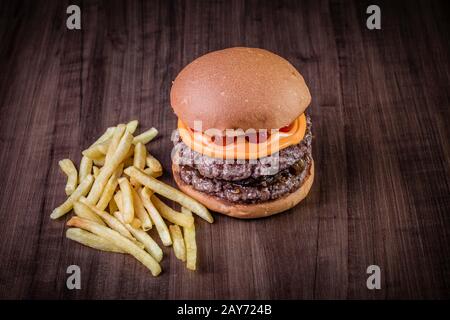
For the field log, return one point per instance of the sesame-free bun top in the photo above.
(239, 88)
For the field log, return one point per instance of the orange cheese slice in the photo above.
(241, 148)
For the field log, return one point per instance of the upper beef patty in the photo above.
(243, 181)
(234, 170)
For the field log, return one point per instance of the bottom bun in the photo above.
(247, 211)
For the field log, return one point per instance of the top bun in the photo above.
(239, 88)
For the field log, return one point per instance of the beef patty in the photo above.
(250, 190)
(244, 181)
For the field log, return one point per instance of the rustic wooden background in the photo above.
(381, 111)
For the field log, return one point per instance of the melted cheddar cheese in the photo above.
(241, 148)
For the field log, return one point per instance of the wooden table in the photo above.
(381, 111)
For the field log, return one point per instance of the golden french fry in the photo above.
(171, 215)
(191, 245)
(104, 137)
(128, 161)
(97, 151)
(149, 244)
(127, 200)
(140, 153)
(170, 193)
(69, 169)
(108, 169)
(132, 126)
(81, 190)
(110, 220)
(146, 136)
(154, 174)
(109, 189)
(107, 135)
(153, 164)
(148, 191)
(115, 140)
(118, 240)
(140, 211)
(178, 242)
(118, 200)
(136, 223)
(113, 206)
(95, 171)
(85, 168)
(91, 240)
(83, 211)
(99, 162)
(160, 225)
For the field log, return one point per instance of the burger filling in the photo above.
(247, 181)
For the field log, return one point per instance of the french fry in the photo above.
(118, 200)
(109, 189)
(112, 206)
(146, 136)
(148, 191)
(128, 162)
(104, 137)
(129, 157)
(95, 171)
(171, 215)
(83, 211)
(81, 190)
(91, 240)
(132, 126)
(118, 240)
(153, 164)
(85, 168)
(140, 153)
(178, 242)
(127, 200)
(69, 169)
(110, 220)
(160, 225)
(99, 162)
(191, 245)
(108, 169)
(115, 140)
(150, 172)
(149, 244)
(140, 211)
(136, 223)
(97, 151)
(170, 193)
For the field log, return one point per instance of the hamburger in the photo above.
(243, 144)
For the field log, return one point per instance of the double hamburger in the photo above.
(243, 144)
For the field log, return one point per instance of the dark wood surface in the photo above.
(381, 111)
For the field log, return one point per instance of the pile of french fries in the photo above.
(115, 198)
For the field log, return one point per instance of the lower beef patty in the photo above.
(251, 190)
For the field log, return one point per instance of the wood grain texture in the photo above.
(381, 107)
